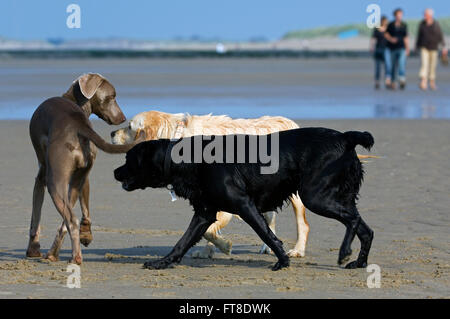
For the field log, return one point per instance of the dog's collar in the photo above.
(181, 124)
(167, 162)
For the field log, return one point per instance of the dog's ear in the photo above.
(145, 134)
(89, 83)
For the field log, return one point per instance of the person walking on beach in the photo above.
(429, 37)
(397, 51)
(377, 47)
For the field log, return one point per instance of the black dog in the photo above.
(321, 164)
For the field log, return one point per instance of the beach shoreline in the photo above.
(339, 88)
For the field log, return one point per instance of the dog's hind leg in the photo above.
(270, 218)
(302, 227)
(58, 187)
(251, 216)
(351, 222)
(85, 224)
(347, 214)
(365, 235)
(53, 253)
(34, 246)
(199, 224)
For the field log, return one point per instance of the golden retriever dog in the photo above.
(158, 125)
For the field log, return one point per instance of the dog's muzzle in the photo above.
(118, 174)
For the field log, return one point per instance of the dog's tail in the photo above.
(353, 138)
(90, 134)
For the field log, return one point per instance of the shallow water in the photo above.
(296, 88)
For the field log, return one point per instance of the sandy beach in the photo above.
(316, 63)
(404, 198)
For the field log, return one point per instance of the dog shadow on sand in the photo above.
(241, 256)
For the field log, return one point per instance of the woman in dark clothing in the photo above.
(377, 47)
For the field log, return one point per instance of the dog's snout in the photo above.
(117, 174)
(113, 133)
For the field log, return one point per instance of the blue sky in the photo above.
(166, 19)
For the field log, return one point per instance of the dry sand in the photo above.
(405, 198)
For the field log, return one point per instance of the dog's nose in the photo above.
(113, 133)
(118, 174)
(122, 117)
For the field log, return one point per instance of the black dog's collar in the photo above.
(167, 162)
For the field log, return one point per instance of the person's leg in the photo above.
(424, 68)
(377, 72)
(394, 71)
(402, 68)
(433, 64)
(388, 67)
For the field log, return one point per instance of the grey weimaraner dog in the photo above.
(63, 139)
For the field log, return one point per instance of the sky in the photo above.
(166, 19)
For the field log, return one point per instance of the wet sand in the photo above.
(295, 88)
(404, 198)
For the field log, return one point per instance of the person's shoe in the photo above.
(423, 85)
(377, 85)
(433, 86)
(393, 86)
(402, 85)
(388, 84)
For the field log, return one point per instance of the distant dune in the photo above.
(344, 40)
(362, 29)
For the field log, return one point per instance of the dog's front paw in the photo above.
(265, 250)
(158, 264)
(225, 247)
(51, 257)
(206, 253)
(85, 232)
(280, 265)
(344, 257)
(295, 253)
(34, 251)
(356, 264)
(85, 238)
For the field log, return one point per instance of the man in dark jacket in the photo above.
(429, 38)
